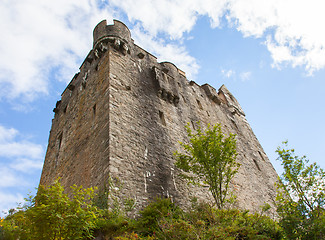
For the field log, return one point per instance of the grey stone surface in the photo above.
(123, 115)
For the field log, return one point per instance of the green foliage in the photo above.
(51, 214)
(157, 210)
(109, 197)
(212, 158)
(163, 220)
(176, 229)
(12, 226)
(112, 220)
(301, 196)
(211, 223)
(128, 236)
(101, 197)
(113, 223)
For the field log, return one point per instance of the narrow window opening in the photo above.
(235, 124)
(59, 141)
(97, 67)
(208, 113)
(193, 125)
(256, 164)
(65, 109)
(141, 55)
(58, 145)
(261, 155)
(83, 84)
(94, 110)
(183, 99)
(162, 118)
(71, 87)
(199, 104)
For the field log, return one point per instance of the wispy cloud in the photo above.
(173, 17)
(9, 178)
(19, 159)
(228, 73)
(232, 74)
(40, 37)
(291, 28)
(244, 76)
(9, 200)
(171, 52)
(12, 147)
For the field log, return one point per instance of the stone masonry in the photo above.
(123, 115)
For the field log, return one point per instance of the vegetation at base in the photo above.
(87, 213)
(53, 215)
(301, 196)
(210, 158)
(161, 219)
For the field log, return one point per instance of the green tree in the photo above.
(212, 158)
(301, 196)
(53, 215)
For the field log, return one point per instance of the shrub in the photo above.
(51, 214)
(301, 196)
(148, 223)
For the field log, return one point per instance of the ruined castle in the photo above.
(122, 116)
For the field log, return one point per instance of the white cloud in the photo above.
(228, 73)
(244, 76)
(292, 28)
(170, 52)
(18, 155)
(26, 165)
(39, 36)
(10, 147)
(9, 178)
(21, 149)
(20, 160)
(7, 134)
(173, 17)
(9, 200)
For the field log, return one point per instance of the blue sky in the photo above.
(269, 53)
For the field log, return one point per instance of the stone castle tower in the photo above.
(123, 115)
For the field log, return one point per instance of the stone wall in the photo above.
(123, 116)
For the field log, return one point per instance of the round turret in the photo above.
(118, 30)
(170, 68)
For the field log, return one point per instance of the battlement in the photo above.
(118, 36)
(118, 29)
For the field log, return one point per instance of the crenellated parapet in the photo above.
(169, 80)
(118, 35)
